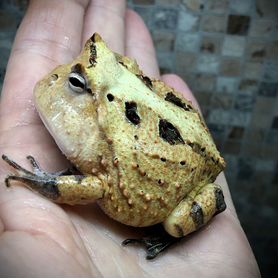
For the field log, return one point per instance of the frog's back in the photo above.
(159, 143)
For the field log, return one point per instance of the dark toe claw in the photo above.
(16, 166)
(153, 246)
(131, 240)
(33, 162)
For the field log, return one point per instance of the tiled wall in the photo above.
(227, 53)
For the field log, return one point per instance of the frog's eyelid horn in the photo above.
(77, 82)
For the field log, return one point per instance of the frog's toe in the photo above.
(154, 245)
(16, 166)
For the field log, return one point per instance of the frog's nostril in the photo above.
(110, 97)
(53, 79)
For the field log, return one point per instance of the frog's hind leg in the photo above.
(68, 189)
(204, 202)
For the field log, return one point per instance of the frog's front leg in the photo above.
(195, 210)
(69, 189)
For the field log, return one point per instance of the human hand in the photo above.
(40, 238)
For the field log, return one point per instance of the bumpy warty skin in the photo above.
(147, 143)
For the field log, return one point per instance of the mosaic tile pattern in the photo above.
(226, 51)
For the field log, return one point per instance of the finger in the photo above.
(139, 44)
(106, 17)
(48, 36)
(179, 85)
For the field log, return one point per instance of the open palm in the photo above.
(40, 238)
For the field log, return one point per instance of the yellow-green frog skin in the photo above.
(145, 154)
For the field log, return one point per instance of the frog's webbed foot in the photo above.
(154, 245)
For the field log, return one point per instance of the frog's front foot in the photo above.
(25, 175)
(61, 187)
(154, 245)
(38, 180)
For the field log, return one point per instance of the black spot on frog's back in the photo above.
(169, 133)
(177, 101)
(131, 112)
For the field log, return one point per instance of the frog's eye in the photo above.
(77, 82)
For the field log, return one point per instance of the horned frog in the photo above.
(143, 152)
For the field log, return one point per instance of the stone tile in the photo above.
(239, 118)
(219, 117)
(207, 63)
(226, 84)
(272, 50)
(264, 105)
(241, 7)
(256, 51)
(262, 120)
(232, 147)
(238, 24)
(272, 137)
(253, 70)
(8, 21)
(266, 9)
(270, 72)
(250, 149)
(221, 101)
(187, 41)
(254, 135)
(246, 168)
(188, 22)
(164, 41)
(245, 102)
(5, 53)
(275, 123)
(167, 2)
(266, 165)
(236, 133)
(232, 162)
(248, 86)
(185, 62)
(230, 67)
(262, 28)
(270, 152)
(144, 2)
(205, 82)
(217, 130)
(165, 18)
(211, 45)
(213, 23)
(268, 89)
(194, 5)
(6, 42)
(218, 6)
(233, 46)
(166, 61)
(203, 98)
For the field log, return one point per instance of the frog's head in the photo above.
(67, 100)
